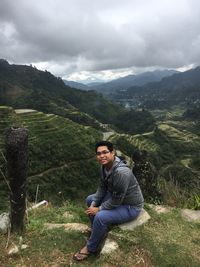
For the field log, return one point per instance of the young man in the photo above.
(118, 198)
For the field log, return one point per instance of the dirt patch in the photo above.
(67, 226)
(137, 257)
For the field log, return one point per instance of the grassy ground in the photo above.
(165, 240)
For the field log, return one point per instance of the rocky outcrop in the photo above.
(141, 219)
(160, 208)
(4, 222)
(191, 215)
(67, 226)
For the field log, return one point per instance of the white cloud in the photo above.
(95, 37)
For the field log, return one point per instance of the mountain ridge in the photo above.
(138, 80)
(124, 82)
(181, 88)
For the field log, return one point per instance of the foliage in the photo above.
(131, 121)
(193, 113)
(172, 194)
(73, 182)
(125, 146)
(182, 176)
(194, 202)
(195, 162)
(173, 148)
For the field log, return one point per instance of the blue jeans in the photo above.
(104, 218)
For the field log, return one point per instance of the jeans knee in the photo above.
(89, 200)
(101, 218)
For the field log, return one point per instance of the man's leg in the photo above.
(89, 201)
(104, 218)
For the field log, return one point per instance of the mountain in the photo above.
(81, 86)
(76, 85)
(92, 84)
(26, 87)
(133, 80)
(180, 88)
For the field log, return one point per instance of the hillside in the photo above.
(61, 153)
(165, 240)
(26, 87)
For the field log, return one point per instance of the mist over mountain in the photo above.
(133, 80)
(76, 85)
(122, 83)
(93, 84)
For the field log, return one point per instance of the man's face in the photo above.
(104, 156)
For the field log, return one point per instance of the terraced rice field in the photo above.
(57, 146)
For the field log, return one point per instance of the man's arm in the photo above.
(100, 193)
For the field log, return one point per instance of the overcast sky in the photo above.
(100, 39)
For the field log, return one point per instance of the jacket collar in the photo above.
(116, 163)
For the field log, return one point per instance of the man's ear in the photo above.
(114, 152)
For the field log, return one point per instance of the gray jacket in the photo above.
(122, 185)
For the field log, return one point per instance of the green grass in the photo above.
(165, 240)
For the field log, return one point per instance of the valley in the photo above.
(64, 123)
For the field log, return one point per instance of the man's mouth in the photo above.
(102, 160)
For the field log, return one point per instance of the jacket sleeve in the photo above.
(100, 193)
(121, 180)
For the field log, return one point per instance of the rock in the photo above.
(160, 209)
(19, 111)
(4, 222)
(109, 247)
(141, 219)
(16, 249)
(67, 226)
(191, 215)
(13, 250)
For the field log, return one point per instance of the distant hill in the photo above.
(92, 84)
(133, 80)
(76, 85)
(81, 86)
(180, 88)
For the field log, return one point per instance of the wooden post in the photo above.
(17, 162)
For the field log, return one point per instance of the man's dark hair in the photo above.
(104, 143)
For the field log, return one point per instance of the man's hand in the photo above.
(92, 210)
